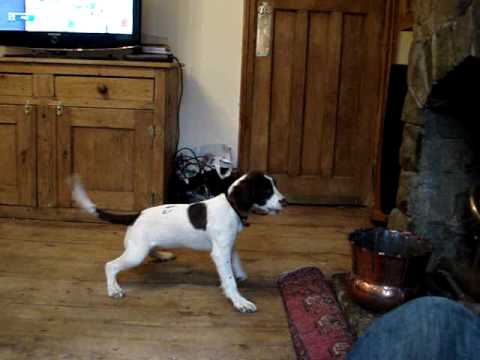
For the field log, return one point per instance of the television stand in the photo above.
(114, 122)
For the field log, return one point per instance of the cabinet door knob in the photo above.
(102, 89)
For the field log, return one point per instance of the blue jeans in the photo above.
(425, 328)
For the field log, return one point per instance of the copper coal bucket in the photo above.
(387, 267)
(474, 203)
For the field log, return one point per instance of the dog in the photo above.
(211, 225)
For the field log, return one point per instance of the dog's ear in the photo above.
(242, 197)
(262, 187)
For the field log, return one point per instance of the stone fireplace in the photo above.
(440, 153)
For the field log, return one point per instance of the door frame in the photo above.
(247, 83)
(247, 77)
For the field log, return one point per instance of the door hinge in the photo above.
(152, 131)
(59, 109)
(28, 108)
(153, 199)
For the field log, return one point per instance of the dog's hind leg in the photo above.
(134, 254)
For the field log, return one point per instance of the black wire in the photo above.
(184, 162)
(180, 98)
(199, 161)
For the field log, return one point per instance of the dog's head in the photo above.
(256, 190)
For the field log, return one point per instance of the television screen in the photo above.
(69, 22)
(76, 16)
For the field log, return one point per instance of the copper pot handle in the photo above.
(473, 202)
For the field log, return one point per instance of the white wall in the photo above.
(206, 35)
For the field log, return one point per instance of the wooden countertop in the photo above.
(39, 60)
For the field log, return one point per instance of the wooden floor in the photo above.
(53, 302)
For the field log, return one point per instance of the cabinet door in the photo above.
(111, 150)
(17, 155)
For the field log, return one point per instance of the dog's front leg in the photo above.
(240, 274)
(222, 255)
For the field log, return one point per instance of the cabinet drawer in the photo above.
(16, 85)
(103, 88)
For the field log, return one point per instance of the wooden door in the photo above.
(111, 150)
(405, 14)
(17, 155)
(309, 105)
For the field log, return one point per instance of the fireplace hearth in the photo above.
(439, 193)
(440, 153)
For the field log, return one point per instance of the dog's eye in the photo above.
(269, 191)
(264, 193)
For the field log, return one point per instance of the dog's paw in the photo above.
(116, 293)
(162, 256)
(243, 305)
(241, 276)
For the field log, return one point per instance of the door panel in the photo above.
(315, 97)
(282, 81)
(111, 151)
(17, 155)
(352, 63)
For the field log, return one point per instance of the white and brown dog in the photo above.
(211, 225)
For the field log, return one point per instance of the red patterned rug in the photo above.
(318, 328)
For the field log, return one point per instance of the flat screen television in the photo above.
(70, 24)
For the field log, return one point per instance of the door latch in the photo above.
(264, 29)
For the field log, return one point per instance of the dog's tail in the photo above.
(81, 198)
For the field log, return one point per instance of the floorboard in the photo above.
(53, 303)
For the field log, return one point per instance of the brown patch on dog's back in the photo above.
(197, 214)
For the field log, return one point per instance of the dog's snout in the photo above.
(284, 202)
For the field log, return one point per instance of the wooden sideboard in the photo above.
(112, 122)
